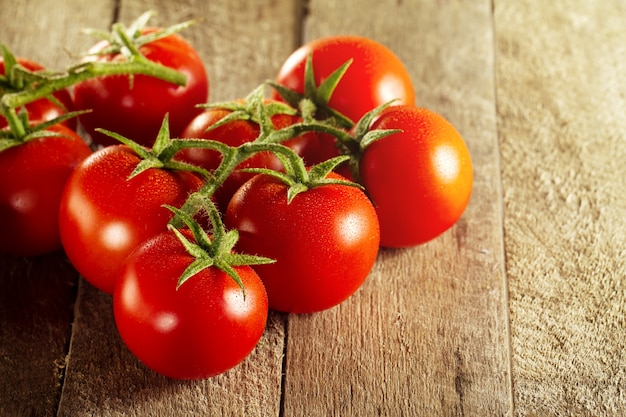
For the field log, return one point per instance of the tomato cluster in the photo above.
(199, 217)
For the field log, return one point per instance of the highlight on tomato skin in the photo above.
(325, 241)
(420, 179)
(204, 328)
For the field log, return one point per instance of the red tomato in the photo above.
(104, 216)
(312, 147)
(136, 109)
(420, 180)
(324, 242)
(32, 177)
(375, 77)
(202, 329)
(43, 109)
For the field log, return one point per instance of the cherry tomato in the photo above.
(312, 147)
(43, 109)
(104, 215)
(136, 109)
(325, 241)
(420, 179)
(375, 76)
(32, 177)
(202, 329)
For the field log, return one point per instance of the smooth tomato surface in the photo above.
(32, 178)
(375, 77)
(103, 216)
(43, 109)
(136, 110)
(202, 329)
(312, 147)
(420, 180)
(325, 241)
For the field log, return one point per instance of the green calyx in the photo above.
(212, 251)
(256, 109)
(126, 41)
(161, 155)
(316, 95)
(356, 144)
(22, 131)
(297, 177)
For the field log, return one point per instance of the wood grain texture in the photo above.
(35, 321)
(561, 106)
(428, 332)
(37, 295)
(49, 31)
(104, 377)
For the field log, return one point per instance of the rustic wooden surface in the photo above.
(520, 309)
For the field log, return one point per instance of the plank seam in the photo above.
(501, 198)
(68, 345)
(283, 375)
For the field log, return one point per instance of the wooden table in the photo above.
(519, 309)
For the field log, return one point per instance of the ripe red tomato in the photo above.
(312, 147)
(202, 329)
(103, 215)
(375, 77)
(43, 109)
(136, 109)
(420, 179)
(325, 241)
(32, 177)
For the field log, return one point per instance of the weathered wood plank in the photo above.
(102, 375)
(561, 73)
(49, 32)
(428, 332)
(35, 317)
(37, 295)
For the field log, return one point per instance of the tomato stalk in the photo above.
(255, 109)
(28, 86)
(215, 251)
(49, 84)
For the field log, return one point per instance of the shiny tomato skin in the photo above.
(43, 109)
(103, 216)
(312, 147)
(325, 241)
(420, 180)
(200, 330)
(32, 178)
(136, 110)
(375, 77)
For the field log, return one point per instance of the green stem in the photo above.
(139, 65)
(15, 123)
(296, 164)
